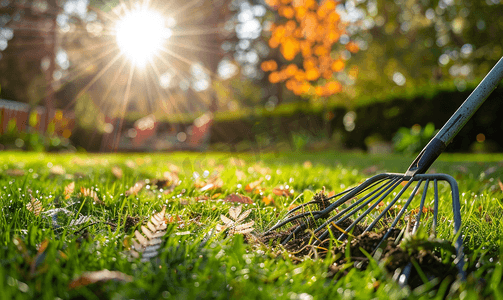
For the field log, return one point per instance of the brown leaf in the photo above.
(238, 198)
(98, 276)
(281, 191)
(148, 242)
(117, 172)
(261, 170)
(174, 168)
(14, 172)
(238, 162)
(35, 206)
(135, 188)
(212, 184)
(57, 170)
(240, 175)
(268, 200)
(69, 189)
(253, 185)
(85, 192)
(500, 184)
(235, 211)
(370, 170)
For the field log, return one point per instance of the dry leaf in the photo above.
(117, 172)
(85, 192)
(234, 222)
(240, 175)
(253, 185)
(370, 170)
(500, 184)
(99, 276)
(211, 184)
(238, 162)
(238, 198)
(14, 172)
(149, 242)
(268, 200)
(57, 170)
(69, 189)
(281, 191)
(35, 206)
(307, 164)
(174, 168)
(261, 170)
(135, 188)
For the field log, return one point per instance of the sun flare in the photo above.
(140, 34)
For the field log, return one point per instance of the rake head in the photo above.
(381, 202)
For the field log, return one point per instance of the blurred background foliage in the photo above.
(54, 52)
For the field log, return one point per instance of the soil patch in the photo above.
(353, 251)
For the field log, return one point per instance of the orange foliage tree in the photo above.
(310, 31)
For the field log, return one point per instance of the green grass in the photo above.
(196, 262)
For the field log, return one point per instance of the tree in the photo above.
(308, 36)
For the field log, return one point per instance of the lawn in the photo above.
(70, 225)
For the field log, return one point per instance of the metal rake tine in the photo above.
(399, 216)
(421, 206)
(284, 222)
(386, 190)
(369, 183)
(435, 209)
(387, 208)
(372, 208)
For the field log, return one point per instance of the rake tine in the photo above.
(402, 211)
(331, 207)
(435, 209)
(421, 206)
(387, 190)
(385, 210)
(369, 183)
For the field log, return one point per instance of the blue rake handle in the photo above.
(438, 143)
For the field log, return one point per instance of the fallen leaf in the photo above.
(261, 170)
(240, 175)
(174, 168)
(370, 170)
(238, 162)
(238, 198)
(211, 184)
(268, 200)
(57, 170)
(135, 188)
(253, 185)
(117, 172)
(130, 164)
(148, 241)
(14, 172)
(69, 189)
(307, 164)
(281, 191)
(86, 192)
(35, 206)
(99, 276)
(234, 222)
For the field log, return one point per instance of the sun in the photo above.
(140, 34)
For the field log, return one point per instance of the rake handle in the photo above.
(451, 128)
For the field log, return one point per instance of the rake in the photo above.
(376, 199)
